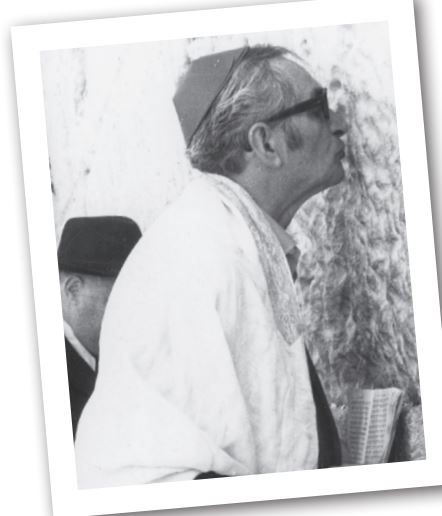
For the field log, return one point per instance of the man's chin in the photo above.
(337, 176)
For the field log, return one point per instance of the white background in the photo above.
(24, 478)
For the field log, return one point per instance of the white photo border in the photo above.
(28, 42)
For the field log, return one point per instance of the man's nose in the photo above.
(338, 122)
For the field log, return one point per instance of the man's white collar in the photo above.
(286, 241)
(84, 353)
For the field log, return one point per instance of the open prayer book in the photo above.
(371, 422)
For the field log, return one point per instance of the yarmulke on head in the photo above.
(258, 84)
(200, 86)
(97, 245)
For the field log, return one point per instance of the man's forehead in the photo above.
(94, 279)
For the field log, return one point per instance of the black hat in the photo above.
(200, 86)
(97, 245)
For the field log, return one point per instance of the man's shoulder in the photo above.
(197, 217)
(196, 235)
(199, 202)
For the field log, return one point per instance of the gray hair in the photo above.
(259, 87)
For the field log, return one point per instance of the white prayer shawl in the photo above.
(201, 367)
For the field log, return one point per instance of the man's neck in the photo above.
(261, 188)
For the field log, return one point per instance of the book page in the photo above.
(372, 418)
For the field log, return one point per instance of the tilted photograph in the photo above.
(232, 255)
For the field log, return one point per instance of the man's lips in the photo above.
(341, 152)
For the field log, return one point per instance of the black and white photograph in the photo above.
(224, 328)
(230, 255)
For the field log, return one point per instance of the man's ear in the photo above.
(263, 141)
(72, 285)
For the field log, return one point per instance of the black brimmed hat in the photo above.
(97, 245)
(201, 85)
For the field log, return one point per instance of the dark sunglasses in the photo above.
(319, 100)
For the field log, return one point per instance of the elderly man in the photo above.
(203, 370)
(91, 253)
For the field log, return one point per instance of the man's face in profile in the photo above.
(315, 164)
(84, 299)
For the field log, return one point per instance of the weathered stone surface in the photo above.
(409, 443)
